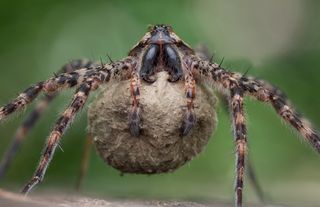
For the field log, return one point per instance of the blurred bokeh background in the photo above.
(274, 40)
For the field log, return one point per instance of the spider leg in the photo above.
(23, 99)
(63, 81)
(203, 53)
(240, 135)
(261, 90)
(267, 93)
(34, 116)
(224, 80)
(134, 114)
(49, 86)
(63, 122)
(189, 118)
(22, 132)
(88, 79)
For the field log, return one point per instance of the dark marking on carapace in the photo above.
(160, 47)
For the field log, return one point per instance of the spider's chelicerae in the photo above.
(160, 51)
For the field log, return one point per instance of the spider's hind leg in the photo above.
(34, 116)
(134, 114)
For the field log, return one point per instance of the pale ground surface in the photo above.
(8, 199)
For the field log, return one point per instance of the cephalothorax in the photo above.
(159, 52)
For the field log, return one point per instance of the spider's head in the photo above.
(159, 34)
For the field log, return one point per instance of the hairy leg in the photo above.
(265, 92)
(87, 79)
(67, 80)
(203, 52)
(22, 132)
(240, 135)
(91, 81)
(223, 80)
(262, 91)
(134, 114)
(189, 117)
(34, 116)
(63, 122)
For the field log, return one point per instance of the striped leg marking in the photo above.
(63, 122)
(189, 118)
(22, 132)
(52, 85)
(134, 114)
(265, 92)
(34, 116)
(240, 135)
(223, 80)
(262, 91)
(23, 99)
(66, 80)
(91, 81)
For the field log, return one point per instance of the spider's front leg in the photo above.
(235, 93)
(87, 79)
(34, 116)
(50, 86)
(89, 83)
(262, 91)
(64, 81)
(77, 103)
(203, 53)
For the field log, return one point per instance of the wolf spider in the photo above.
(159, 46)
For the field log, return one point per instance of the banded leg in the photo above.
(63, 122)
(22, 132)
(34, 116)
(49, 86)
(267, 93)
(23, 99)
(90, 81)
(189, 118)
(134, 116)
(240, 135)
(66, 80)
(204, 54)
(262, 91)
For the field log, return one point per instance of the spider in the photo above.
(159, 50)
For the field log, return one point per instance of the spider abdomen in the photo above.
(159, 148)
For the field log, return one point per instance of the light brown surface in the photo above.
(159, 148)
(8, 199)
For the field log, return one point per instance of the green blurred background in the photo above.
(277, 40)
